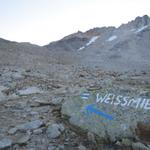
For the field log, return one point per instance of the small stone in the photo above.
(93, 88)
(55, 130)
(34, 105)
(5, 143)
(29, 90)
(22, 140)
(61, 147)
(118, 143)
(42, 102)
(17, 76)
(29, 132)
(139, 146)
(81, 147)
(2, 96)
(126, 142)
(56, 101)
(28, 70)
(34, 113)
(2, 88)
(143, 130)
(13, 96)
(37, 131)
(91, 137)
(51, 147)
(12, 131)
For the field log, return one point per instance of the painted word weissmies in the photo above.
(124, 101)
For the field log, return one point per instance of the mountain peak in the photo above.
(144, 20)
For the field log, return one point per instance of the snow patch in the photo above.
(81, 48)
(141, 29)
(93, 39)
(114, 37)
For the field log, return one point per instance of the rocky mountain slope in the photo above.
(117, 49)
(24, 55)
(87, 91)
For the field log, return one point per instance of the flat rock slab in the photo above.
(21, 138)
(111, 115)
(31, 125)
(30, 90)
(5, 143)
(27, 126)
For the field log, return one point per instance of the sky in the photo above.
(43, 21)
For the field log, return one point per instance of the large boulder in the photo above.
(112, 114)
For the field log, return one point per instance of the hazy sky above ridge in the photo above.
(43, 21)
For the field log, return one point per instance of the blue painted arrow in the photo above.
(90, 108)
